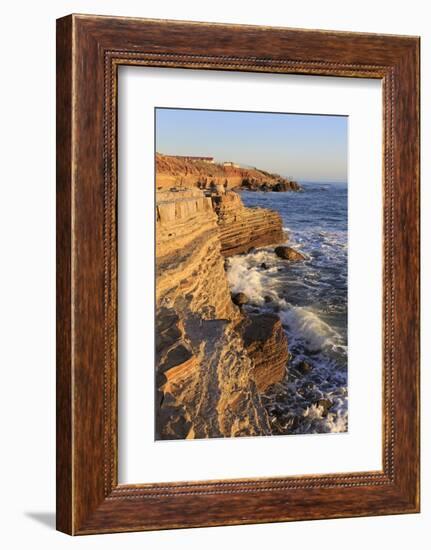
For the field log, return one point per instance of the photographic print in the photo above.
(251, 274)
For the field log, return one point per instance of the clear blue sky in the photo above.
(304, 147)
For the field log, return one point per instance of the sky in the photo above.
(302, 147)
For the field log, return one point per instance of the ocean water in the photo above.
(311, 299)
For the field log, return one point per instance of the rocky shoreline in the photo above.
(177, 172)
(213, 360)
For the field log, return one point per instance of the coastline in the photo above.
(219, 362)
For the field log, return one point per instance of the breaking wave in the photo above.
(309, 330)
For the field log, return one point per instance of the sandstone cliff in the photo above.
(176, 172)
(244, 228)
(212, 361)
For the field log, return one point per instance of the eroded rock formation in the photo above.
(244, 228)
(211, 362)
(266, 345)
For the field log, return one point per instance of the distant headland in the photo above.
(173, 171)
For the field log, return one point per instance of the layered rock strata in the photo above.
(210, 368)
(266, 345)
(241, 228)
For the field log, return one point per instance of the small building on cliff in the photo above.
(230, 164)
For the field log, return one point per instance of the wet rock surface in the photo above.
(288, 253)
(240, 299)
(303, 367)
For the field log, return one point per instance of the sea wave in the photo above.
(264, 287)
(308, 329)
(242, 278)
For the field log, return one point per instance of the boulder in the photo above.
(240, 299)
(303, 367)
(288, 253)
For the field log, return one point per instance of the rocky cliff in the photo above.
(266, 345)
(177, 172)
(244, 228)
(212, 360)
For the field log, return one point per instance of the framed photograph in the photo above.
(237, 274)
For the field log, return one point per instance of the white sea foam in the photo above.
(307, 326)
(328, 422)
(243, 279)
(337, 423)
(304, 325)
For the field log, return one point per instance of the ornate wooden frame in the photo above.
(89, 51)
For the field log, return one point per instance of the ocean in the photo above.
(310, 298)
